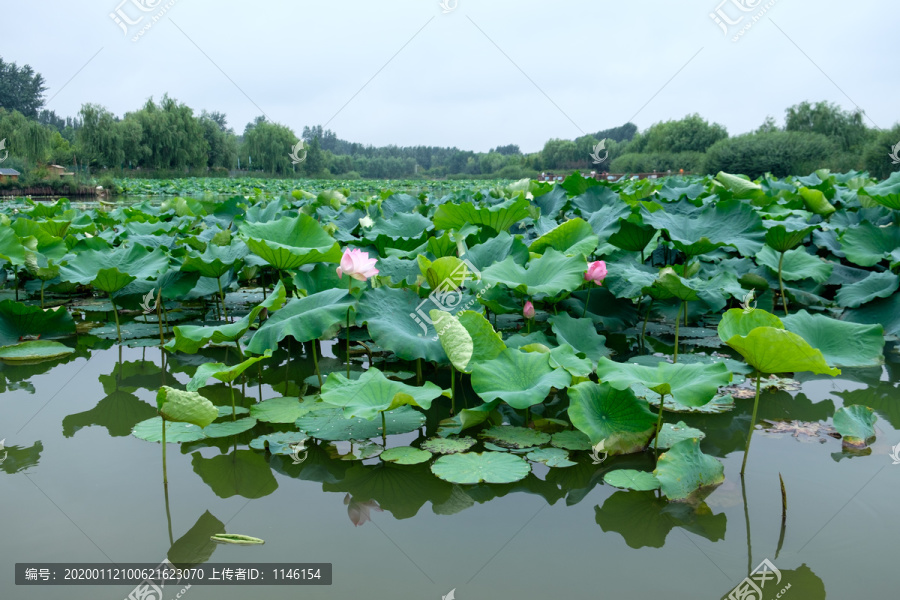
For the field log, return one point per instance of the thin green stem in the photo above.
(646, 319)
(587, 301)
(222, 297)
(662, 401)
(452, 390)
(165, 474)
(233, 408)
(677, 323)
(159, 319)
(752, 425)
(316, 363)
(116, 314)
(383, 430)
(784, 300)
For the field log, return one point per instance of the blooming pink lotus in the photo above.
(528, 311)
(596, 272)
(357, 265)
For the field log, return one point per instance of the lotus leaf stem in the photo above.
(316, 363)
(662, 401)
(677, 323)
(784, 300)
(586, 301)
(383, 429)
(233, 409)
(222, 297)
(116, 314)
(165, 474)
(752, 424)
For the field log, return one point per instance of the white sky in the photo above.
(539, 69)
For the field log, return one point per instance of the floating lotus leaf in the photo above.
(288, 243)
(684, 471)
(304, 319)
(440, 445)
(552, 457)
(842, 344)
(630, 479)
(34, 351)
(332, 425)
(553, 274)
(507, 436)
(176, 433)
(570, 440)
(475, 467)
(405, 455)
(520, 379)
(856, 424)
(229, 428)
(279, 443)
(284, 410)
(616, 417)
(373, 393)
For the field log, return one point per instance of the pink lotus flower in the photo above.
(596, 272)
(528, 311)
(357, 265)
(359, 511)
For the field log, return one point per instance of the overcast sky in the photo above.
(485, 73)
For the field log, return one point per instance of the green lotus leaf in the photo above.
(770, 350)
(304, 319)
(633, 235)
(867, 245)
(279, 443)
(520, 379)
(798, 264)
(842, 344)
(816, 202)
(404, 455)
(332, 425)
(787, 234)
(499, 217)
(629, 280)
(688, 384)
(575, 236)
(227, 411)
(886, 193)
(440, 445)
(670, 434)
(856, 424)
(882, 312)
(740, 187)
(398, 319)
(487, 343)
(698, 231)
(507, 436)
(630, 479)
(454, 338)
(445, 274)
(222, 372)
(34, 351)
(284, 410)
(616, 417)
(235, 538)
(288, 243)
(468, 418)
(475, 467)
(580, 334)
(229, 428)
(190, 338)
(876, 285)
(12, 249)
(374, 393)
(111, 270)
(685, 471)
(576, 364)
(553, 274)
(176, 433)
(405, 231)
(570, 440)
(242, 473)
(741, 322)
(185, 407)
(215, 261)
(552, 457)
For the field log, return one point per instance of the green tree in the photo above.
(847, 128)
(690, 134)
(21, 89)
(268, 146)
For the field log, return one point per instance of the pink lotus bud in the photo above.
(596, 272)
(528, 311)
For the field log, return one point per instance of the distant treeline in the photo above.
(168, 138)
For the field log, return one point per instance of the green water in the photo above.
(77, 487)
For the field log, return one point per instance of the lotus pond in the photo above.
(629, 390)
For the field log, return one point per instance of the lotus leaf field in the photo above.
(510, 327)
